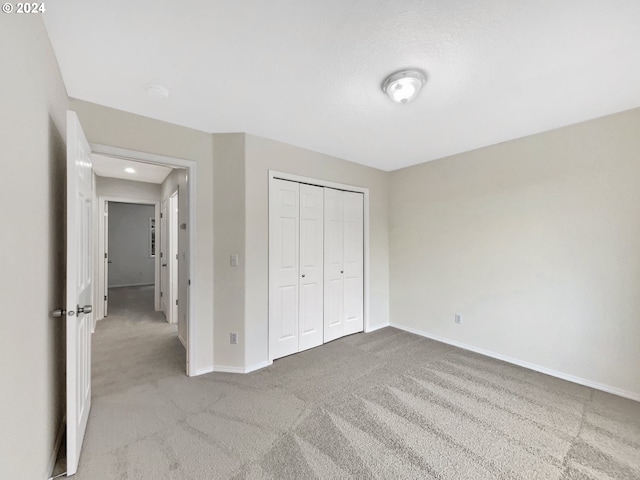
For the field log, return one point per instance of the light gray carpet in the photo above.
(383, 405)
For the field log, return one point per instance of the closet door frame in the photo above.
(274, 174)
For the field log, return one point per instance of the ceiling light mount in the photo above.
(158, 92)
(405, 85)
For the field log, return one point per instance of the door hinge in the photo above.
(105, 298)
(160, 293)
(161, 254)
(105, 255)
(176, 301)
(161, 215)
(189, 282)
(176, 256)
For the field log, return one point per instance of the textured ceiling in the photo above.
(308, 72)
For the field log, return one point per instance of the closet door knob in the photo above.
(303, 275)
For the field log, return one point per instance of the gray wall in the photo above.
(33, 105)
(229, 214)
(535, 242)
(131, 263)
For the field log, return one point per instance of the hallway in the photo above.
(133, 344)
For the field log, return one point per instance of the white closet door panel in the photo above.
(284, 240)
(353, 262)
(333, 264)
(311, 266)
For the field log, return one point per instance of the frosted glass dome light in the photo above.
(404, 86)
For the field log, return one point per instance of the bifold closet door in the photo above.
(284, 238)
(343, 267)
(296, 262)
(353, 204)
(310, 322)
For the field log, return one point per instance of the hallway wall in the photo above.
(129, 248)
(33, 104)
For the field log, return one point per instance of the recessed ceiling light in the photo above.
(129, 170)
(158, 92)
(404, 86)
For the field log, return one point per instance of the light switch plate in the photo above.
(234, 260)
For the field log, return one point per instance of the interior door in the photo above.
(284, 240)
(333, 264)
(172, 261)
(353, 204)
(106, 260)
(165, 293)
(79, 288)
(311, 267)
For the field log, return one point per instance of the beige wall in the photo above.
(33, 104)
(229, 214)
(263, 155)
(116, 128)
(535, 242)
(128, 189)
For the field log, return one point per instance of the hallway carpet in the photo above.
(387, 404)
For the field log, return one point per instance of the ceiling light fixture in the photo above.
(129, 170)
(404, 86)
(158, 92)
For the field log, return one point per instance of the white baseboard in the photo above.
(203, 370)
(252, 368)
(56, 447)
(377, 327)
(531, 366)
(184, 344)
(227, 369)
(258, 366)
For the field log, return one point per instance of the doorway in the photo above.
(178, 192)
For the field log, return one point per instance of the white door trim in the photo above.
(190, 166)
(350, 188)
(102, 287)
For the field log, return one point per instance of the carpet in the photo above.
(388, 404)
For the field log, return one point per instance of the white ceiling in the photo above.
(114, 168)
(308, 72)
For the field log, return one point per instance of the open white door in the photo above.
(79, 288)
(165, 292)
(172, 261)
(105, 280)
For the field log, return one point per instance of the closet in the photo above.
(316, 265)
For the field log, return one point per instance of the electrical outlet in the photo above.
(458, 319)
(233, 338)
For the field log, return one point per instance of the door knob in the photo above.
(164, 264)
(59, 312)
(303, 275)
(85, 309)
